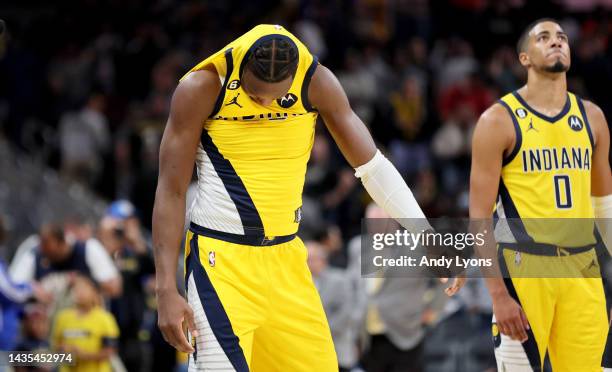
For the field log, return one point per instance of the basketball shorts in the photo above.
(256, 308)
(567, 315)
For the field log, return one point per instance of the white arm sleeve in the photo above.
(23, 266)
(602, 206)
(99, 261)
(388, 189)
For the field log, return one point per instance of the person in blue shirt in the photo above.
(12, 298)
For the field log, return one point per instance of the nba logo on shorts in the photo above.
(211, 258)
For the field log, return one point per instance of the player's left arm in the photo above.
(601, 178)
(379, 177)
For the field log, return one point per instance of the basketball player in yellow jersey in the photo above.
(542, 152)
(246, 116)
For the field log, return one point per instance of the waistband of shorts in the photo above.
(543, 249)
(255, 240)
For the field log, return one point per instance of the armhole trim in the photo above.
(519, 136)
(229, 61)
(306, 83)
(586, 121)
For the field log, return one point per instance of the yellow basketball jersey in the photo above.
(252, 159)
(548, 174)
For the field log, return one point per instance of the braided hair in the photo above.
(273, 60)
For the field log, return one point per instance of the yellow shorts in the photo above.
(567, 315)
(256, 308)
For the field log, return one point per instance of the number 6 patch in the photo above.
(233, 85)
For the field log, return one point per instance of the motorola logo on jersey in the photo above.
(287, 101)
(521, 112)
(233, 85)
(575, 123)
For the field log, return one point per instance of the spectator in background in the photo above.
(35, 329)
(334, 288)
(70, 72)
(409, 107)
(86, 330)
(452, 140)
(375, 63)
(120, 233)
(395, 312)
(84, 140)
(312, 35)
(410, 153)
(453, 61)
(592, 64)
(324, 181)
(460, 104)
(469, 92)
(13, 296)
(360, 85)
(504, 70)
(138, 139)
(55, 261)
(76, 228)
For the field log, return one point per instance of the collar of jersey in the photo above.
(551, 119)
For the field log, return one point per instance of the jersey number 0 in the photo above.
(563, 191)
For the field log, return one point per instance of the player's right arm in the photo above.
(193, 101)
(493, 138)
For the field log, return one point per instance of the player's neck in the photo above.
(82, 311)
(546, 93)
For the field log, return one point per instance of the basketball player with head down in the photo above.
(246, 116)
(543, 152)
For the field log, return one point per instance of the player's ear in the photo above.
(524, 59)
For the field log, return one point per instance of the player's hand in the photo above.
(40, 294)
(458, 283)
(510, 317)
(173, 311)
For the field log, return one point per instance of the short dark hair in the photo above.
(55, 230)
(273, 60)
(522, 41)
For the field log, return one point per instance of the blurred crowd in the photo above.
(85, 88)
(85, 288)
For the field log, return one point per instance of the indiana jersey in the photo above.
(547, 175)
(251, 161)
